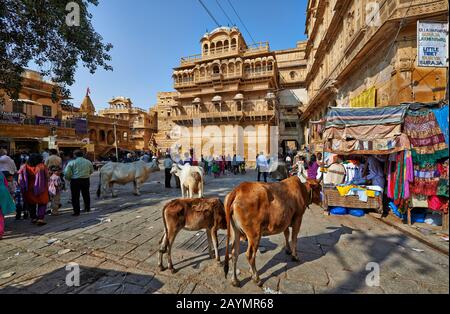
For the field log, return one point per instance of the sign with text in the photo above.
(432, 43)
(47, 121)
(11, 117)
(366, 99)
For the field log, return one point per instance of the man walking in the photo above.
(167, 167)
(78, 172)
(263, 166)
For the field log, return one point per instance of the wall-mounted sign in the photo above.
(432, 43)
(11, 117)
(48, 121)
(366, 99)
(81, 126)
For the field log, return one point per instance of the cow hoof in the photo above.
(162, 268)
(236, 283)
(173, 270)
(258, 282)
(288, 251)
(295, 259)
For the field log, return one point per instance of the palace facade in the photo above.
(227, 98)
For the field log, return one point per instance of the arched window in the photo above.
(205, 49)
(212, 48)
(269, 66)
(239, 106)
(226, 45)
(110, 138)
(219, 47)
(102, 136)
(93, 135)
(231, 68)
(233, 44)
(216, 69)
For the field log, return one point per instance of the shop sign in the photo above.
(11, 117)
(367, 99)
(432, 43)
(81, 126)
(47, 121)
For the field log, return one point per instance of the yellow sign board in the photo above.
(366, 99)
(90, 148)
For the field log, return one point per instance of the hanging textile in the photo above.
(438, 203)
(426, 179)
(442, 189)
(441, 115)
(400, 176)
(427, 140)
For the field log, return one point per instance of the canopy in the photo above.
(365, 130)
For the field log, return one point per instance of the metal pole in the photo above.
(115, 141)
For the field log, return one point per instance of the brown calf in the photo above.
(256, 209)
(192, 214)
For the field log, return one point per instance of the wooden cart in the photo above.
(333, 198)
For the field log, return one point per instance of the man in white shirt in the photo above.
(7, 165)
(263, 166)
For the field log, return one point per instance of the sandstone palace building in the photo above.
(227, 98)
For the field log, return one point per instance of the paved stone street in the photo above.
(116, 247)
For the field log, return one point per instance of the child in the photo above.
(216, 170)
(6, 203)
(54, 190)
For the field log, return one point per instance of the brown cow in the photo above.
(257, 209)
(191, 214)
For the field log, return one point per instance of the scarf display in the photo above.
(400, 176)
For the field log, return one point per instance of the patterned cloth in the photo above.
(426, 137)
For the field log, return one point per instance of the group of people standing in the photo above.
(35, 180)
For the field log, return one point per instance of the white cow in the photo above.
(122, 173)
(191, 179)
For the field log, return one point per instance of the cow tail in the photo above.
(99, 188)
(228, 202)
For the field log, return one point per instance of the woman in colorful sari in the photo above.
(33, 180)
(7, 205)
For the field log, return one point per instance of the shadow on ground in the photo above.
(91, 281)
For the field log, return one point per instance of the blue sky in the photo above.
(150, 36)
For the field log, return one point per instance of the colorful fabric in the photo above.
(400, 177)
(426, 137)
(443, 185)
(438, 203)
(442, 118)
(34, 184)
(7, 205)
(425, 185)
(347, 117)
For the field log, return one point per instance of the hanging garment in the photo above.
(424, 185)
(443, 185)
(438, 203)
(441, 115)
(426, 137)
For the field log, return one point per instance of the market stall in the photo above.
(427, 128)
(352, 137)
(392, 157)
